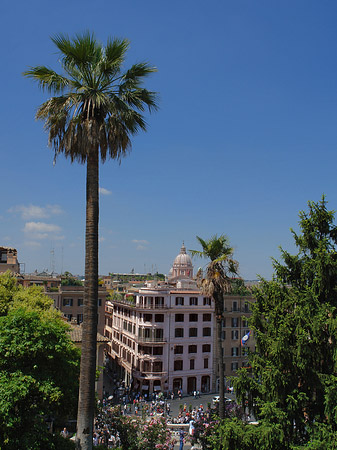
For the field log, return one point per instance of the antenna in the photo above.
(52, 260)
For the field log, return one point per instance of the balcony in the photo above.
(148, 340)
(149, 375)
(149, 306)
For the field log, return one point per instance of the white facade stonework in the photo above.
(163, 338)
(162, 335)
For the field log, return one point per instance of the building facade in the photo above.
(69, 300)
(162, 335)
(9, 260)
(237, 310)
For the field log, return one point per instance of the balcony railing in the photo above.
(143, 339)
(146, 306)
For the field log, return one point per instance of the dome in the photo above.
(183, 259)
(182, 265)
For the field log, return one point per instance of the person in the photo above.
(191, 428)
(181, 435)
(65, 433)
(95, 440)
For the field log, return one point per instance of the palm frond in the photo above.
(80, 51)
(114, 55)
(48, 79)
(100, 107)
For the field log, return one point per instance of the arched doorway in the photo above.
(191, 384)
(177, 384)
(205, 383)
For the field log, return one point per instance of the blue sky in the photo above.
(246, 132)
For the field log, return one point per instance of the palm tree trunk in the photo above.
(86, 400)
(220, 365)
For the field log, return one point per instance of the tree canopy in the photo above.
(294, 367)
(39, 368)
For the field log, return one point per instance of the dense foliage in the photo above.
(292, 384)
(68, 279)
(39, 368)
(136, 433)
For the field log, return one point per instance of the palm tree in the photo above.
(96, 109)
(216, 283)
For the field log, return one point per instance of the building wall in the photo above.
(235, 326)
(9, 260)
(159, 339)
(69, 300)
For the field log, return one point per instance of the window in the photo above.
(223, 322)
(206, 348)
(193, 332)
(235, 335)
(179, 332)
(244, 323)
(206, 331)
(234, 366)
(192, 348)
(206, 317)
(80, 302)
(223, 335)
(235, 306)
(67, 302)
(178, 364)
(147, 317)
(179, 317)
(235, 351)
(207, 301)
(246, 307)
(157, 366)
(235, 322)
(157, 350)
(159, 317)
(69, 317)
(193, 317)
(206, 363)
(79, 318)
(178, 349)
(159, 302)
(192, 364)
(159, 334)
(99, 302)
(180, 301)
(193, 301)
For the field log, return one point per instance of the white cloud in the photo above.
(36, 212)
(141, 244)
(40, 230)
(32, 244)
(104, 191)
(140, 247)
(41, 227)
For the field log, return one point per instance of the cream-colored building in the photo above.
(69, 300)
(162, 335)
(235, 327)
(9, 260)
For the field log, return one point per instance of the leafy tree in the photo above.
(13, 295)
(96, 109)
(216, 284)
(68, 279)
(39, 368)
(294, 367)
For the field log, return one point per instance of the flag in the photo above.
(245, 338)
